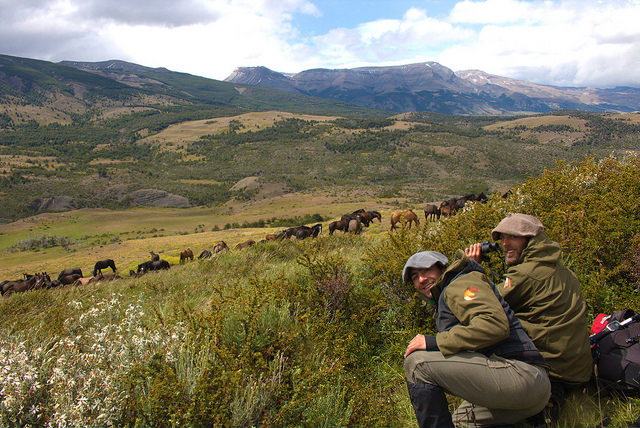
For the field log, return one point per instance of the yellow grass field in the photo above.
(187, 132)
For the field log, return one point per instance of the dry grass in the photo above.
(16, 161)
(546, 137)
(633, 118)
(532, 122)
(187, 132)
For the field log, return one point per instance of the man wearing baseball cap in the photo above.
(481, 353)
(546, 296)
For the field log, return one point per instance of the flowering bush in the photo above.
(79, 379)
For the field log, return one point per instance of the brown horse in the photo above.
(219, 246)
(72, 271)
(431, 212)
(448, 207)
(355, 226)
(31, 282)
(342, 225)
(369, 216)
(186, 254)
(245, 244)
(404, 217)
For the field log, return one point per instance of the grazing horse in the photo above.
(219, 246)
(287, 233)
(431, 212)
(151, 266)
(69, 279)
(31, 282)
(303, 232)
(85, 281)
(368, 216)
(185, 254)
(245, 244)
(355, 216)
(448, 208)
(270, 236)
(103, 264)
(72, 271)
(338, 225)
(355, 226)
(404, 217)
(205, 254)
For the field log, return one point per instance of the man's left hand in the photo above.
(418, 343)
(473, 252)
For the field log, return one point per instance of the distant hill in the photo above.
(96, 85)
(435, 88)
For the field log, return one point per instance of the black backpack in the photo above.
(616, 353)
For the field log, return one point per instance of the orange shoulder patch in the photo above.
(507, 284)
(470, 293)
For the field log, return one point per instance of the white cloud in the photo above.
(497, 11)
(387, 41)
(575, 44)
(563, 42)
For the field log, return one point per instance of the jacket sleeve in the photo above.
(482, 319)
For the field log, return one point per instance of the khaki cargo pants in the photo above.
(495, 390)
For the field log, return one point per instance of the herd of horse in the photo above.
(349, 223)
(451, 206)
(73, 276)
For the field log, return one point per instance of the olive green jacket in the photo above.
(547, 298)
(472, 316)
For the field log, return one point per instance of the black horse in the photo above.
(103, 264)
(152, 266)
(342, 225)
(302, 232)
(71, 271)
(355, 216)
(205, 254)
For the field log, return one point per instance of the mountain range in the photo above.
(433, 87)
(421, 87)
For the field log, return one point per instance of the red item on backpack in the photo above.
(599, 323)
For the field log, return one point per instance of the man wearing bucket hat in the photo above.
(481, 353)
(546, 296)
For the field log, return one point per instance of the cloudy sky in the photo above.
(592, 43)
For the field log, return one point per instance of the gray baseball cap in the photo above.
(423, 260)
(517, 225)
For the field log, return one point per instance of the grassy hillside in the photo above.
(295, 333)
(201, 155)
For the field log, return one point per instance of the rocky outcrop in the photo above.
(57, 203)
(158, 198)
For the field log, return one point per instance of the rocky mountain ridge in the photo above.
(431, 86)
